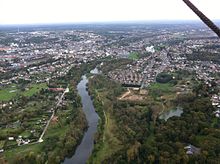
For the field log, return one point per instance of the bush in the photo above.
(164, 78)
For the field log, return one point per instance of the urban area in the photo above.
(151, 69)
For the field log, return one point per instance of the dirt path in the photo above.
(106, 118)
(106, 124)
(163, 109)
(125, 94)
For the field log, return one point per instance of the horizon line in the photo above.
(108, 22)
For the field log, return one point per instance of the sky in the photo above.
(80, 11)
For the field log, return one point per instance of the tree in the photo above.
(164, 77)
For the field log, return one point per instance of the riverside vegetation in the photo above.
(64, 133)
(131, 131)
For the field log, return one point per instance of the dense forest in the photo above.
(128, 133)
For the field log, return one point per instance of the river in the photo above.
(84, 150)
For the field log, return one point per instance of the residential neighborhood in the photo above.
(36, 66)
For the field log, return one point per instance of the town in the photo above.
(31, 60)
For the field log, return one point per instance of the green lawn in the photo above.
(157, 89)
(10, 92)
(11, 143)
(25, 134)
(133, 56)
(164, 87)
(34, 89)
(9, 131)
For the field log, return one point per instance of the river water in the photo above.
(84, 150)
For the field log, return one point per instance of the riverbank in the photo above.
(106, 142)
(65, 130)
(85, 148)
(129, 132)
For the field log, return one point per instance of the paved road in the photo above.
(161, 68)
(48, 123)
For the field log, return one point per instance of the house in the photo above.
(215, 103)
(11, 138)
(20, 141)
(190, 150)
(217, 113)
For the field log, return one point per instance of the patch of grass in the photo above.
(2, 143)
(34, 89)
(56, 130)
(25, 134)
(167, 87)
(34, 105)
(21, 150)
(109, 143)
(7, 94)
(11, 143)
(134, 56)
(9, 131)
(10, 92)
(157, 90)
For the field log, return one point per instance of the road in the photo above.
(54, 110)
(149, 68)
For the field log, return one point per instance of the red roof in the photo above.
(4, 48)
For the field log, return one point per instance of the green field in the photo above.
(162, 87)
(6, 94)
(133, 56)
(10, 92)
(25, 134)
(19, 151)
(34, 89)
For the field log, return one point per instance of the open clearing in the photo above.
(131, 96)
(12, 91)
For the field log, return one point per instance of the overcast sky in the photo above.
(72, 11)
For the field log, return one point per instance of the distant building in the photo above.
(217, 113)
(190, 150)
(11, 138)
(150, 49)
